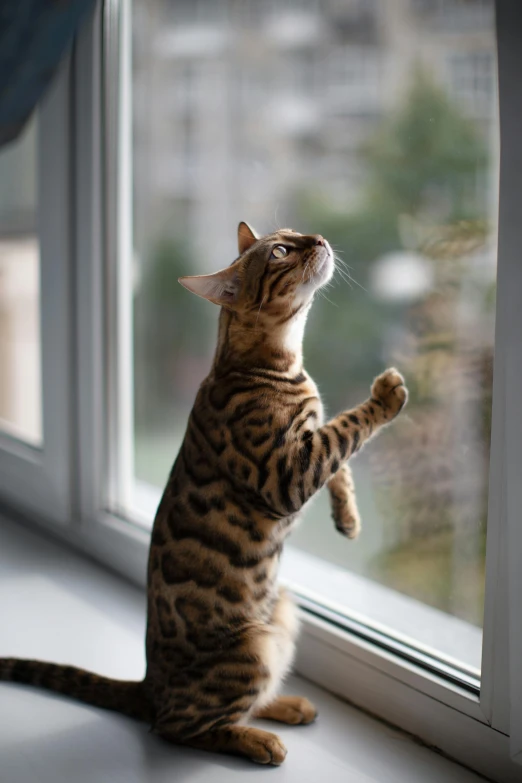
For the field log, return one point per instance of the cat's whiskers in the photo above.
(321, 290)
(322, 293)
(341, 261)
(344, 277)
(343, 268)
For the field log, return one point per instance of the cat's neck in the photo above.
(260, 346)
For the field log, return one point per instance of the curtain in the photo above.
(34, 36)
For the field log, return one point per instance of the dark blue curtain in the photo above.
(34, 36)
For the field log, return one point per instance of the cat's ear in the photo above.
(222, 287)
(246, 236)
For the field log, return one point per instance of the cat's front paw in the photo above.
(390, 391)
(347, 520)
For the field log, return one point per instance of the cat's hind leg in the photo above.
(279, 654)
(260, 746)
(343, 502)
(219, 725)
(214, 713)
(289, 709)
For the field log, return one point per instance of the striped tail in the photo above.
(126, 697)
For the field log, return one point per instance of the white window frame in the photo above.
(38, 479)
(483, 731)
(509, 357)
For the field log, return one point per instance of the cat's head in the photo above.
(275, 275)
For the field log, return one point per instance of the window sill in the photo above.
(57, 605)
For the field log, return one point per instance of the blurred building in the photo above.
(20, 361)
(239, 104)
(20, 384)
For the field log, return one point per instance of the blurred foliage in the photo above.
(423, 163)
(425, 158)
(430, 468)
(172, 329)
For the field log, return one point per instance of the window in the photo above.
(422, 296)
(164, 130)
(36, 339)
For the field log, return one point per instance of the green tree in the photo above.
(170, 331)
(423, 162)
(425, 158)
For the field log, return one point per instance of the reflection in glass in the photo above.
(374, 124)
(20, 385)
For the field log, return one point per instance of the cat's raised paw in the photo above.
(390, 391)
(347, 523)
(345, 516)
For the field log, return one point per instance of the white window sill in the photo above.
(57, 605)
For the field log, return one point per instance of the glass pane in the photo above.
(20, 384)
(375, 124)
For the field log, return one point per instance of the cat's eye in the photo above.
(279, 251)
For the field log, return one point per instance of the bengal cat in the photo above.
(220, 632)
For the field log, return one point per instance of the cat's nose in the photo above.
(318, 240)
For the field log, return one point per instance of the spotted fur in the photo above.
(220, 632)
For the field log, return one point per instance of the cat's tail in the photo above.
(126, 697)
